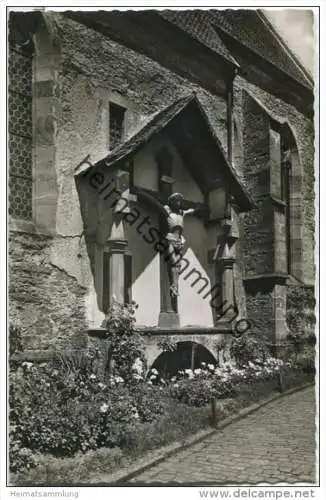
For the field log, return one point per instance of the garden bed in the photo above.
(178, 423)
(71, 422)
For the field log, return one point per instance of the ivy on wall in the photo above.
(300, 314)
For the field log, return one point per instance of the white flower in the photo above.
(101, 386)
(152, 377)
(138, 366)
(197, 371)
(149, 382)
(175, 385)
(92, 376)
(118, 380)
(203, 364)
(136, 415)
(210, 367)
(137, 376)
(189, 373)
(173, 379)
(27, 364)
(154, 371)
(104, 408)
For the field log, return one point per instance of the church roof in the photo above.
(198, 24)
(208, 47)
(249, 27)
(252, 29)
(196, 141)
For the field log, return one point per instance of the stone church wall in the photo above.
(78, 71)
(263, 245)
(45, 301)
(303, 131)
(90, 70)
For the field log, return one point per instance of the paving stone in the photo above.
(274, 444)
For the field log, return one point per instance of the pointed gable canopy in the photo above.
(187, 126)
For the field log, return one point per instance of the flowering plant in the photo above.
(126, 344)
(61, 411)
(247, 349)
(197, 387)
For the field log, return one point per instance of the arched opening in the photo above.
(292, 196)
(20, 116)
(186, 355)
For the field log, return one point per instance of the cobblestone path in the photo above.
(273, 444)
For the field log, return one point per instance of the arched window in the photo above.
(285, 186)
(291, 193)
(20, 70)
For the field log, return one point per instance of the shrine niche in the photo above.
(173, 211)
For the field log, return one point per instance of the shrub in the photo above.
(300, 315)
(15, 339)
(304, 357)
(126, 344)
(20, 458)
(62, 413)
(247, 349)
(150, 401)
(196, 392)
(77, 363)
(196, 388)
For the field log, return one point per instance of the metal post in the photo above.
(214, 412)
(192, 362)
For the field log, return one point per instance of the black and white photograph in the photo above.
(162, 249)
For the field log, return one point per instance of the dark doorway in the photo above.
(187, 355)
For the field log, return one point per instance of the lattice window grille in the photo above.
(20, 133)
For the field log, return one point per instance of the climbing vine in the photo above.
(127, 347)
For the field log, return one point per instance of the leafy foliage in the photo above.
(197, 387)
(126, 343)
(300, 315)
(64, 412)
(15, 339)
(63, 408)
(247, 349)
(168, 345)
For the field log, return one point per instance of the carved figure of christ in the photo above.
(175, 240)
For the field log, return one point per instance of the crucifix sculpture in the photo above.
(173, 239)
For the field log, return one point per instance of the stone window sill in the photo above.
(25, 226)
(278, 202)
